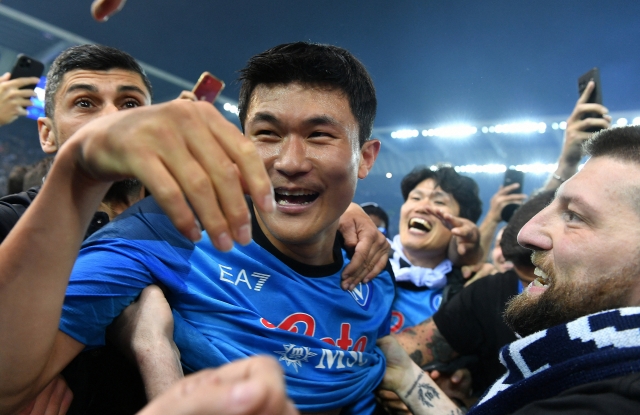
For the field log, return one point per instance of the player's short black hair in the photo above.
(313, 64)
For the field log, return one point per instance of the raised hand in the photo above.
(369, 245)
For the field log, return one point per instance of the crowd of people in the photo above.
(167, 262)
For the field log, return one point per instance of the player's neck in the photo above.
(424, 258)
(317, 250)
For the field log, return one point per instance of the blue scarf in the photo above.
(596, 347)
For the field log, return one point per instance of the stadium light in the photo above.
(402, 134)
(450, 131)
(231, 108)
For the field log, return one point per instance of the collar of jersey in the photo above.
(307, 270)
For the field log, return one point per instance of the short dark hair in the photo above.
(88, 57)
(371, 208)
(313, 64)
(463, 189)
(511, 250)
(123, 191)
(620, 142)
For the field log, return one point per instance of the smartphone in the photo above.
(596, 94)
(512, 176)
(26, 67)
(208, 87)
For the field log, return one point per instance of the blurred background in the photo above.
(478, 85)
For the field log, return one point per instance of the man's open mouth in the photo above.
(420, 224)
(295, 197)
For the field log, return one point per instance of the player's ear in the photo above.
(48, 140)
(368, 154)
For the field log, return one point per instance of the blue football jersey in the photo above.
(413, 305)
(251, 300)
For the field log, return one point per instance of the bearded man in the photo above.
(581, 317)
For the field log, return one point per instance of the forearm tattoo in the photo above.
(440, 347)
(426, 393)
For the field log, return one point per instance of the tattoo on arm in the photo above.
(426, 393)
(425, 344)
(416, 356)
(440, 347)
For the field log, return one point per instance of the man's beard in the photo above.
(572, 298)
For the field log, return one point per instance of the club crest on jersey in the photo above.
(362, 294)
(295, 355)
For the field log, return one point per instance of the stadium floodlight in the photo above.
(486, 168)
(525, 127)
(451, 131)
(537, 168)
(231, 108)
(402, 134)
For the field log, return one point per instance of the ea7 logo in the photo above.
(241, 278)
(362, 294)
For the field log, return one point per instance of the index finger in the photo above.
(243, 152)
(20, 82)
(587, 92)
(506, 189)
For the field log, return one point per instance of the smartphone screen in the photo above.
(208, 87)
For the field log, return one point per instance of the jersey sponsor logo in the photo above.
(305, 324)
(397, 321)
(363, 294)
(295, 355)
(294, 323)
(227, 275)
(341, 359)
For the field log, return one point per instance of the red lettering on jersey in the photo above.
(267, 324)
(399, 321)
(291, 324)
(344, 342)
(361, 344)
(328, 340)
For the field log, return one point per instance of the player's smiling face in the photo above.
(308, 139)
(423, 236)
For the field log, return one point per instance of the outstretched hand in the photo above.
(244, 387)
(369, 246)
(184, 152)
